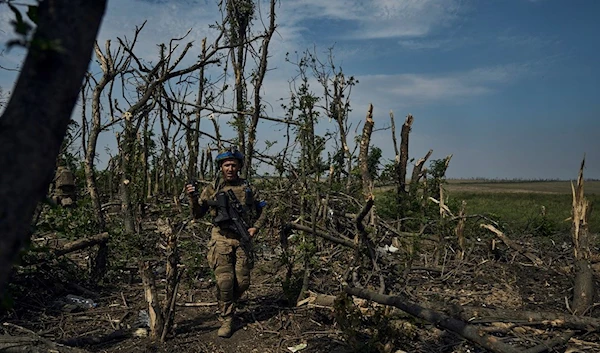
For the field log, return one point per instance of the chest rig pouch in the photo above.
(224, 198)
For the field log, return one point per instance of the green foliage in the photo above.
(521, 213)
(366, 333)
(374, 161)
(388, 174)
(22, 27)
(194, 258)
(69, 223)
(436, 176)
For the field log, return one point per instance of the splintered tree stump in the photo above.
(403, 158)
(154, 310)
(583, 290)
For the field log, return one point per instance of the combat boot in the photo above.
(226, 329)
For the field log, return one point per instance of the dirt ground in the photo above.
(494, 280)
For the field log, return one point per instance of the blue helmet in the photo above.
(231, 153)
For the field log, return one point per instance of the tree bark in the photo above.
(363, 156)
(126, 150)
(240, 14)
(35, 120)
(172, 272)
(339, 239)
(417, 173)
(459, 327)
(403, 160)
(106, 64)
(258, 82)
(583, 290)
(506, 240)
(154, 310)
(36, 344)
(194, 134)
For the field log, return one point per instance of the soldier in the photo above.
(64, 187)
(230, 261)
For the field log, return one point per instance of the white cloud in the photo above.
(417, 89)
(370, 19)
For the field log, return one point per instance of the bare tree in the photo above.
(259, 77)
(239, 17)
(112, 65)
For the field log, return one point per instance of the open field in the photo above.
(545, 187)
(519, 204)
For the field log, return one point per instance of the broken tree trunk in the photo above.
(82, 244)
(151, 295)
(418, 173)
(35, 120)
(363, 156)
(403, 159)
(394, 140)
(511, 244)
(540, 318)
(460, 230)
(459, 327)
(362, 237)
(36, 344)
(583, 290)
(98, 239)
(340, 239)
(172, 273)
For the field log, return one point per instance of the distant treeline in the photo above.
(513, 180)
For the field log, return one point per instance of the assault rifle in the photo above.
(230, 216)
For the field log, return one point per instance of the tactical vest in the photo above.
(243, 192)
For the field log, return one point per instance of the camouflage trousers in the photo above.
(230, 265)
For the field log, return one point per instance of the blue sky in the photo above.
(510, 88)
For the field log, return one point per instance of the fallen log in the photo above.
(197, 304)
(546, 346)
(98, 239)
(338, 240)
(81, 244)
(90, 340)
(511, 244)
(469, 332)
(552, 319)
(33, 344)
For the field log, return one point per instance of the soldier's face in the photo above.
(230, 169)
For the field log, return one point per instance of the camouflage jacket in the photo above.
(247, 195)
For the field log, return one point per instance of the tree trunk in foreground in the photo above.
(35, 121)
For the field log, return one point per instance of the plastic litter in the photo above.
(81, 302)
(143, 319)
(297, 348)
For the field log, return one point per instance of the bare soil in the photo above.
(267, 322)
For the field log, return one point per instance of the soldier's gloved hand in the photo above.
(252, 231)
(191, 190)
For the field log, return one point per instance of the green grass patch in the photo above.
(522, 212)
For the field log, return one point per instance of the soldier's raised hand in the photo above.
(191, 190)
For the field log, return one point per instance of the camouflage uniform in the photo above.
(225, 255)
(64, 187)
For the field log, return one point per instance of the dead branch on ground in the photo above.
(511, 244)
(469, 332)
